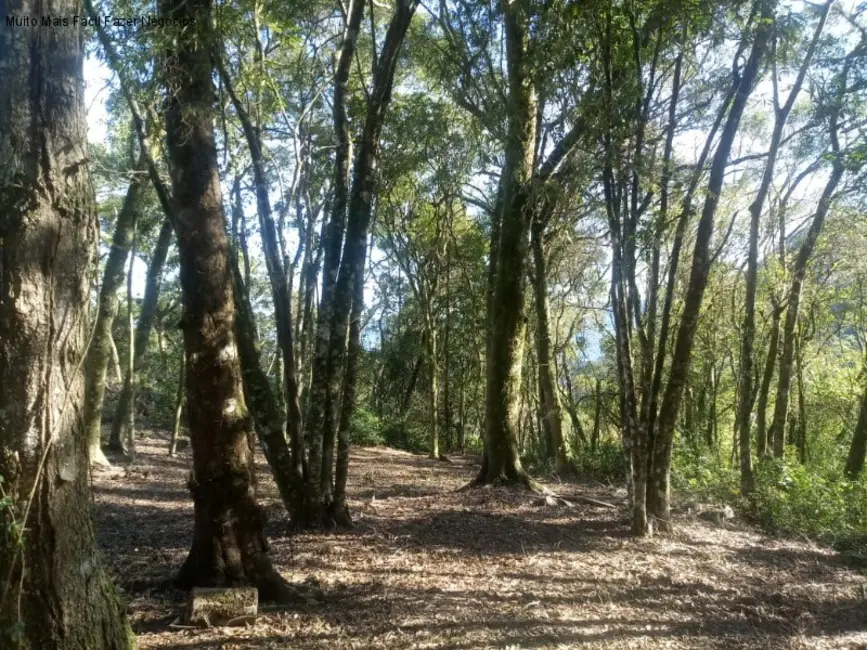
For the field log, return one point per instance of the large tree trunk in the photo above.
(505, 353)
(99, 353)
(549, 396)
(228, 548)
(658, 495)
(53, 588)
(153, 285)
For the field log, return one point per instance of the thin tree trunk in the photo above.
(748, 330)
(319, 419)
(280, 293)
(229, 546)
(858, 448)
(327, 383)
(597, 414)
(801, 438)
(54, 589)
(658, 495)
(433, 393)
(153, 285)
(776, 433)
(179, 405)
(99, 353)
(128, 442)
(339, 509)
(115, 360)
(765, 388)
(264, 405)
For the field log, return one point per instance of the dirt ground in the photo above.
(427, 567)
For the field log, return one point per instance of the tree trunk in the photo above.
(265, 407)
(339, 510)
(462, 404)
(433, 393)
(229, 547)
(801, 437)
(327, 383)
(502, 409)
(49, 566)
(281, 296)
(776, 433)
(153, 284)
(319, 418)
(179, 405)
(748, 330)
(765, 388)
(858, 449)
(597, 415)
(549, 397)
(99, 353)
(658, 496)
(128, 442)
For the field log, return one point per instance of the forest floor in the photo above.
(429, 567)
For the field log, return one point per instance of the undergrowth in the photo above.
(789, 498)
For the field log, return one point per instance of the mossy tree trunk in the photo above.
(99, 353)
(49, 566)
(549, 396)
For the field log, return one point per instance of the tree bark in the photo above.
(281, 296)
(319, 418)
(229, 547)
(858, 448)
(99, 353)
(332, 334)
(433, 393)
(49, 566)
(264, 405)
(765, 388)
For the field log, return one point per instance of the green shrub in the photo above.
(365, 429)
(606, 463)
(791, 498)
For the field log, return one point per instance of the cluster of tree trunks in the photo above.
(648, 412)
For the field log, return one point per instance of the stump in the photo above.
(218, 606)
